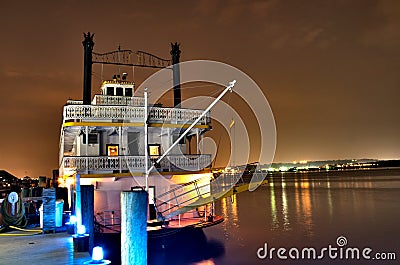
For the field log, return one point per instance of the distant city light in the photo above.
(283, 169)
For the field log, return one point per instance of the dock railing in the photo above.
(109, 218)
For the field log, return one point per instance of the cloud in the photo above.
(311, 35)
(263, 8)
(386, 31)
(206, 7)
(288, 36)
(231, 12)
(29, 74)
(12, 74)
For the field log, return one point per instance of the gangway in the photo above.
(197, 193)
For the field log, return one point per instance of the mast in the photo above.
(146, 141)
(87, 94)
(88, 44)
(176, 52)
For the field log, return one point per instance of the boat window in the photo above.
(133, 143)
(110, 91)
(120, 91)
(112, 149)
(154, 149)
(93, 139)
(128, 92)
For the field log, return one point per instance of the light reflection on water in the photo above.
(310, 210)
(206, 262)
(285, 213)
(274, 214)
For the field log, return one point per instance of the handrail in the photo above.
(118, 100)
(110, 215)
(174, 201)
(187, 192)
(133, 114)
(136, 163)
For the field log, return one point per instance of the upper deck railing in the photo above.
(132, 114)
(118, 100)
(171, 163)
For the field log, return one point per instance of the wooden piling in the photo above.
(87, 198)
(134, 205)
(49, 210)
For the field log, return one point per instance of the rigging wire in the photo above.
(160, 85)
(213, 94)
(220, 136)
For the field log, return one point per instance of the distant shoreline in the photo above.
(380, 173)
(332, 175)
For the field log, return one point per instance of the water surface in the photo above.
(303, 210)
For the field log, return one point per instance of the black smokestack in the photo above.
(175, 52)
(87, 67)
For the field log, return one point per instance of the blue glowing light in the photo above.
(97, 257)
(81, 229)
(97, 254)
(72, 219)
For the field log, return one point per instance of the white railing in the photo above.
(74, 102)
(194, 194)
(133, 114)
(92, 112)
(175, 115)
(171, 163)
(118, 100)
(109, 217)
(186, 162)
(103, 162)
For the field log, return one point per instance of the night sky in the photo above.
(329, 69)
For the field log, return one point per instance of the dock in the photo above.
(43, 249)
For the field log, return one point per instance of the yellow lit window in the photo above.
(112, 150)
(154, 150)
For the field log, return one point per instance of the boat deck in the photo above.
(174, 224)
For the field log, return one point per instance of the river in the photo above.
(319, 218)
